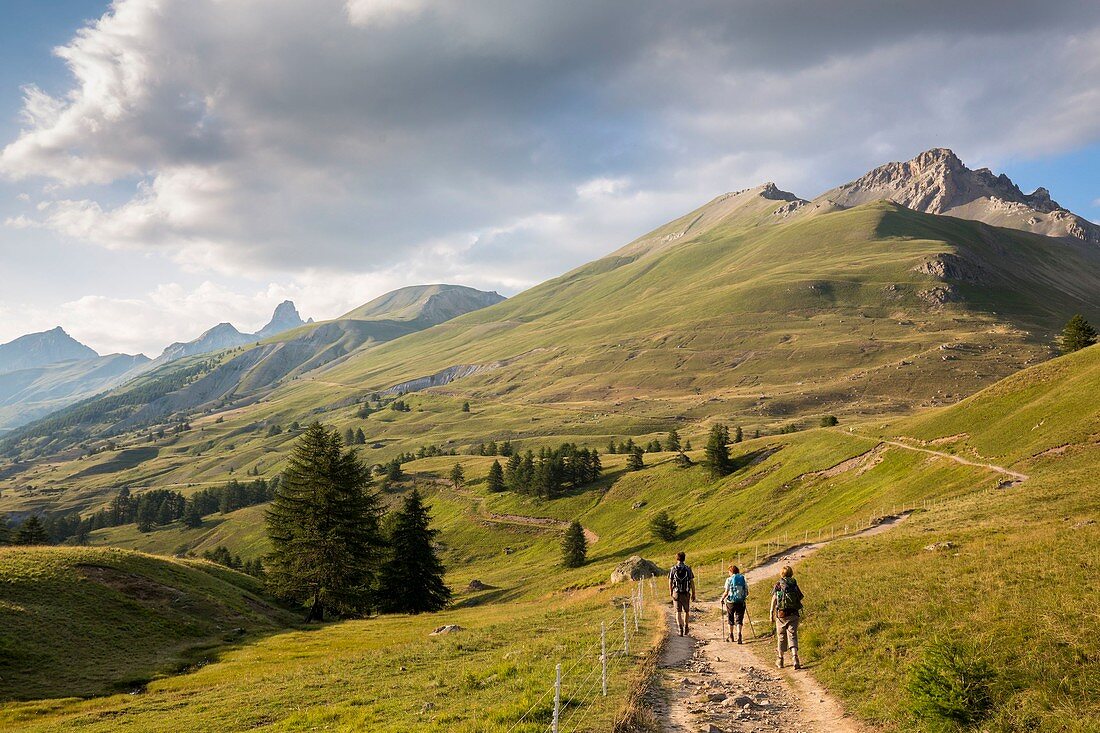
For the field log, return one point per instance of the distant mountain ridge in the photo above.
(39, 349)
(226, 336)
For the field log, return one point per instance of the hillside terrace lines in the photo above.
(1015, 475)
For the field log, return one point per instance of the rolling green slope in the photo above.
(83, 621)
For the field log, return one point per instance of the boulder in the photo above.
(476, 585)
(448, 629)
(636, 568)
(938, 546)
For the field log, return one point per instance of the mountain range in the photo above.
(907, 287)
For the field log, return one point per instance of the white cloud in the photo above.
(345, 146)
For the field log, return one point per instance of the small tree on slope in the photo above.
(574, 546)
(495, 480)
(411, 579)
(457, 476)
(634, 461)
(717, 451)
(663, 526)
(323, 526)
(1077, 334)
(32, 532)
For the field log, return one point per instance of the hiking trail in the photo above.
(710, 685)
(550, 523)
(1015, 475)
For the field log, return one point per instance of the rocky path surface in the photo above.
(709, 685)
(1016, 476)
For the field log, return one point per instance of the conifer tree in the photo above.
(457, 476)
(495, 481)
(717, 451)
(574, 546)
(1077, 334)
(663, 526)
(5, 530)
(738, 435)
(634, 462)
(393, 471)
(687, 446)
(512, 471)
(360, 437)
(611, 447)
(465, 406)
(672, 442)
(32, 532)
(411, 579)
(192, 514)
(349, 437)
(682, 460)
(323, 526)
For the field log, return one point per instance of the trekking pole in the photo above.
(603, 657)
(557, 698)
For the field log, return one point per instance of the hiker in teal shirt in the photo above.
(736, 592)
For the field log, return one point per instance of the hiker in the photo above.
(681, 585)
(785, 612)
(733, 600)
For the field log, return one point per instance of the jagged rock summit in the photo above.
(938, 182)
(284, 318)
(40, 349)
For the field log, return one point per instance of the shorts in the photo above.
(736, 612)
(683, 602)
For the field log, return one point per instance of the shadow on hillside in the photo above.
(625, 552)
(497, 595)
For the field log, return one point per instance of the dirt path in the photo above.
(521, 519)
(1015, 475)
(712, 685)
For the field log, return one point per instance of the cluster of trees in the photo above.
(333, 548)
(492, 449)
(31, 531)
(400, 406)
(355, 437)
(547, 473)
(671, 443)
(223, 556)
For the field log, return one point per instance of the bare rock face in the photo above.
(448, 629)
(937, 182)
(948, 266)
(635, 568)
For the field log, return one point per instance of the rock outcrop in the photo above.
(635, 568)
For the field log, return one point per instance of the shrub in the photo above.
(951, 685)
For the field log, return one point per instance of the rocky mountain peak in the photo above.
(42, 348)
(938, 182)
(284, 318)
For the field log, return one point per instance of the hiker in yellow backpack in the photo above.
(786, 610)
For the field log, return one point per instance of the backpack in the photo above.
(788, 595)
(737, 591)
(681, 578)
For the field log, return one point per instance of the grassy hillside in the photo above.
(84, 621)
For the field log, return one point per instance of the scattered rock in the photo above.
(448, 629)
(638, 505)
(476, 585)
(635, 568)
(937, 546)
(1083, 523)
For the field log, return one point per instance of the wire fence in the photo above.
(580, 684)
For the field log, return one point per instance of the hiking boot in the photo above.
(796, 664)
(779, 662)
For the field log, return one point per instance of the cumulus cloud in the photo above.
(388, 141)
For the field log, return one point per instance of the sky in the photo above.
(166, 165)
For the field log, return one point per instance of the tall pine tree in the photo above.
(323, 526)
(634, 461)
(32, 532)
(717, 451)
(411, 579)
(495, 481)
(672, 442)
(574, 546)
(1077, 334)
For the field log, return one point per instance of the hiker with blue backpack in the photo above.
(786, 610)
(733, 600)
(681, 585)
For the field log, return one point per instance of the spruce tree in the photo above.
(349, 437)
(323, 527)
(465, 406)
(1077, 334)
(682, 460)
(457, 476)
(495, 480)
(672, 442)
(634, 462)
(663, 526)
(411, 579)
(32, 532)
(5, 530)
(574, 546)
(717, 451)
(360, 437)
(192, 514)
(738, 435)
